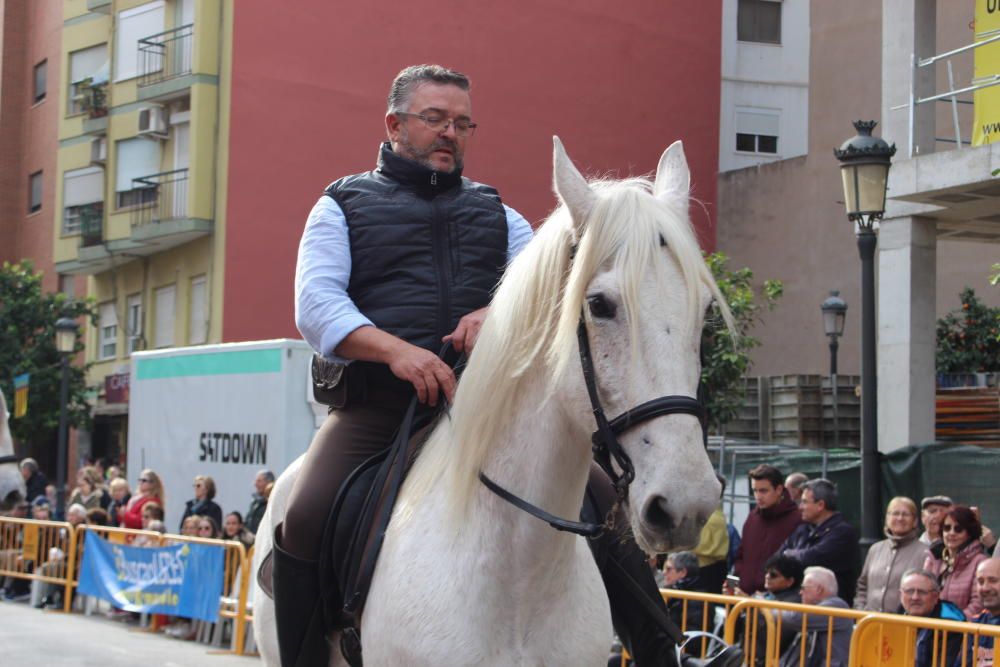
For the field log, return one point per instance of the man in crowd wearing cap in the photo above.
(932, 511)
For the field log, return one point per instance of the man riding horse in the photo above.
(393, 263)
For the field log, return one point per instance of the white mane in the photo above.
(532, 321)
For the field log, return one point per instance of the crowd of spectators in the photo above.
(796, 546)
(102, 496)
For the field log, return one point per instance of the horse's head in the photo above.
(12, 487)
(640, 280)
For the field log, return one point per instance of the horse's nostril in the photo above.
(657, 515)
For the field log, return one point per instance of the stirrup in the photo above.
(728, 656)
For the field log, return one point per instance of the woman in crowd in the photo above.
(89, 490)
(208, 528)
(120, 495)
(955, 557)
(150, 490)
(887, 560)
(202, 503)
(234, 529)
(189, 526)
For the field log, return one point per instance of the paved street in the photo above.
(35, 638)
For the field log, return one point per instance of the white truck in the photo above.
(226, 411)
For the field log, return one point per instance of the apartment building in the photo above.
(137, 183)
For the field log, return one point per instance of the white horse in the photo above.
(464, 578)
(12, 487)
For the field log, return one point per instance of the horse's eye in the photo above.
(600, 308)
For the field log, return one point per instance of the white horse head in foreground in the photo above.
(463, 576)
(12, 487)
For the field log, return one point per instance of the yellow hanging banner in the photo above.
(986, 123)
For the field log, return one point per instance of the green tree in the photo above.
(726, 355)
(27, 345)
(967, 338)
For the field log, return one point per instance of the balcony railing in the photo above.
(91, 224)
(166, 55)
(164, 197)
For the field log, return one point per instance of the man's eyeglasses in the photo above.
(915, 592)
(949, 528)
(438, 123)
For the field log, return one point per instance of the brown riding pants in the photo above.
(346, 439)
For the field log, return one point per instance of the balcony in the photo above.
(161, 218)
(92, 99)
(165, 64)
(99, 6)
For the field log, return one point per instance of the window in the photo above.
(40, 81)
(165, 298)
(759, 21)
(67, 284)
(137, 158)
(83, 200)
(87, 67)
(35, 192)
(107, 332)
(757, 130)
(134, 315)
(132, 25)
(198, 322)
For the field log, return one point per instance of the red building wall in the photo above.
(617, 82)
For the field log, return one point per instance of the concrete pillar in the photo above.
(907, 269)
(908, 30)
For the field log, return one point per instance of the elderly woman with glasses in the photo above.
(202, 503)
(150, 490)
(887, 560)
(954, 559)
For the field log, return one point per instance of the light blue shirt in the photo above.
(324, 313)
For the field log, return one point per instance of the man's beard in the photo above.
(410, 152)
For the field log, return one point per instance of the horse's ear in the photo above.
(571, 187)
(673, 179)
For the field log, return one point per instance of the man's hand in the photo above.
(425, 371)
(428, 374)
(463, 338)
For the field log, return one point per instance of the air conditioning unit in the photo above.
(153, 123)
(99, 151)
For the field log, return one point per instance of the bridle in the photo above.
(9, 458)
(608, 452)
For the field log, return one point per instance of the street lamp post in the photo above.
(864, 168)
(834, 313)
(65, 344)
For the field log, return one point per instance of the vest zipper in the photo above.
(441, 256)
(434, 178)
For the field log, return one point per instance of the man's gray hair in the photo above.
(929, 576)
(77, 509)
(266, 474)
(29, 464)
(823, 577)
(685, 560)
(823, 489)
(414, 75)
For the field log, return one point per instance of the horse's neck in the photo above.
(539, 457)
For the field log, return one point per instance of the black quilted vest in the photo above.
(426, 247)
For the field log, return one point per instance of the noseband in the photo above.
(608, 452)
(9, 458)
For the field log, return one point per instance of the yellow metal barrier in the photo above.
(889, 640)
(877, 640)
(38, 551)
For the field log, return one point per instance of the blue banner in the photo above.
(180, 580)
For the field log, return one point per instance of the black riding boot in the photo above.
(298, 609)
(620, 559)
